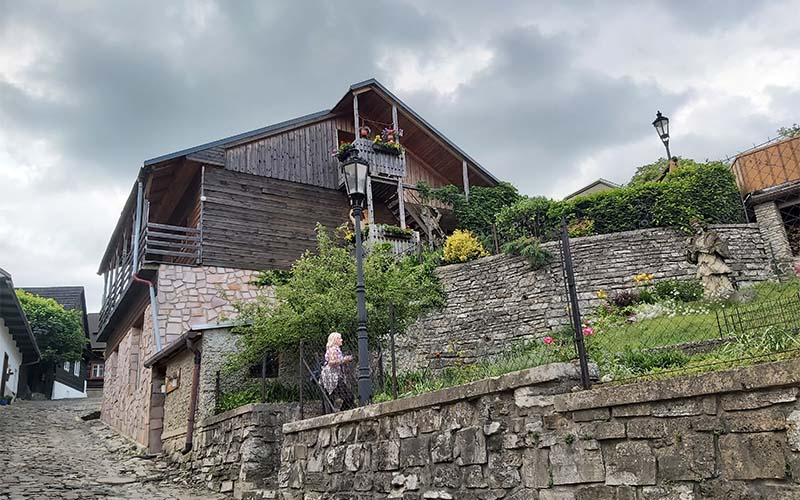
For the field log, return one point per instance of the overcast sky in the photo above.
(547, 95)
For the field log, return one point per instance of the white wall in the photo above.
(7, 345)
(61, 391)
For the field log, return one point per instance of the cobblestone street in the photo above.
(48, 452)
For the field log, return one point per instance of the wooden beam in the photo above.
(355, 114)
(401, 207)
(395, 124)
(465, 172)
(370, 211)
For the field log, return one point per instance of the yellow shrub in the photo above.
(462, 246)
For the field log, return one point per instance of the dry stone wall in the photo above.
(237, 452)
(496, 302)
(732, 435)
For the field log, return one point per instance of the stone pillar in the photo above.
(773, 231)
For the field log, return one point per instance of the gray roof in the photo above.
(94, 330)
(71, 298)
(15, 320)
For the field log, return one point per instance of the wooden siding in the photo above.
(256, 222)
(769, 166)
(301, 155)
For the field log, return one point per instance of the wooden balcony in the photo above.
(158, 244)
(381, 163)
(399, 246)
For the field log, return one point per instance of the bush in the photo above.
(704, 191)
(462, 246)
(638, 361)
(275, 393)
(681, 290)
(625, 298)
(529, 248)
(478, 213)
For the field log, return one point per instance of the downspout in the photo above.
(192, 347)
(153, 309)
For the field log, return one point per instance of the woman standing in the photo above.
(333, 379)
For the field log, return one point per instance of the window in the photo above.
(66, 366)
(76, 368)
(98, 369)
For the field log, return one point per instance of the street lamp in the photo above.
(661, 123)
(355, 171)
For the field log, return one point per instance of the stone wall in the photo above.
(495, 302)
(237, 452)
(732, 435)
(128, 387)
(773, 230)
(189, 296)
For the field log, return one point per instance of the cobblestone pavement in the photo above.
(47, 452)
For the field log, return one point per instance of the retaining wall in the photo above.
(732, 435)
(495, 302)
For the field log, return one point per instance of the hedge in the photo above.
(703, 191)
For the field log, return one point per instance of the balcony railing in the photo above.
(399, 246)
(381, 163)
(158, 244)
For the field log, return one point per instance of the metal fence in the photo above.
(718, 308)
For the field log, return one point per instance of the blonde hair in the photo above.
(332, 339)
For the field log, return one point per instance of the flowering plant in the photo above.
(386, 141)
(344, 151)
(797, 269)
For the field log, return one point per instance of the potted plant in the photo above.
(387, 143)
(344, 151)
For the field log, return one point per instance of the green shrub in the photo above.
(476, 214)
(681, 290)
(462, 246)
(637, 361)
(529, 248)
(275, 393)
(704, 191)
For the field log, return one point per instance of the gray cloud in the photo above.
(566, 93)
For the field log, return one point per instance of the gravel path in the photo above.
(48, 452)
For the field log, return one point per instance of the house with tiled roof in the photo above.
(18, 349)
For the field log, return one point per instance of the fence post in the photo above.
(391, 346)
(573, 302)
(264, 378)
(217, 388)
(496, 242)
(302, 380)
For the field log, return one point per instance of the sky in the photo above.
(547, 95)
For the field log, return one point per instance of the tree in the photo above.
(789, 132)
(58, 332)
(318, 297)
(652, 171)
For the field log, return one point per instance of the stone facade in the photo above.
(774, 231)
(731, 435)
(237, 452)
(215, 345)
(495, 302)
(187, 296)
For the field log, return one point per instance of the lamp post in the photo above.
(356, 170)
(661, 123)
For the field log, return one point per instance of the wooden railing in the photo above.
(381, 163)
(400, 246)
(158, 243)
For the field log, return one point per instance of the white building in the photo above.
(18, 349)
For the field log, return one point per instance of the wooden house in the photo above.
(210, 216)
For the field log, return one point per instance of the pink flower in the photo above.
(588, 331)
(548, 340)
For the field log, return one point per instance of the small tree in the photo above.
(789, 132)
(58, 332)
(318, 297)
